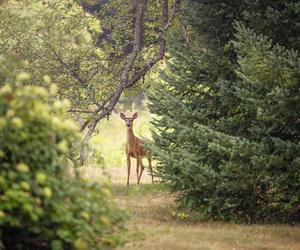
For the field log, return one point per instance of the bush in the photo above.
(41, 207)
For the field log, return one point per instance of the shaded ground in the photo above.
(156, 222)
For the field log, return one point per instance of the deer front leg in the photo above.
(137, 168)
(142, 169)
(128, 168)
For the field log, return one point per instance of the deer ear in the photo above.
(135, 115)
(122, 116)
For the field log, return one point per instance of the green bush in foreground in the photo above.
(40, 206)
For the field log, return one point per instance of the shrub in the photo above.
(41, 207)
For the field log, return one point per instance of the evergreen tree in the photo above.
(228, 131)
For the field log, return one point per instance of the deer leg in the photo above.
(142, 169)
(150, 167)
(128, 168)
(137, 168)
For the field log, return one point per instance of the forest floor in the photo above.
(156, 223)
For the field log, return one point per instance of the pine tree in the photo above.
(228, 131)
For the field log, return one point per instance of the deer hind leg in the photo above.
(142, 169)
(128, 168)
(150, 167)
(137, 168)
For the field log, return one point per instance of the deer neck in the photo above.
(130, 138)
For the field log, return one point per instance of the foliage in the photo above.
(82, 45)
(94, 51)
(41, 206)
(54, 38)
(228, 133)
(117, 19)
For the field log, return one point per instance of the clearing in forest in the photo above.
(156, 223)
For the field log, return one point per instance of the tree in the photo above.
(66, 42)
(226, 134)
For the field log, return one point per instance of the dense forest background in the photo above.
(216, 84)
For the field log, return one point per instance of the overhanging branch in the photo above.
(125, 82)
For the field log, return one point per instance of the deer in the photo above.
(134, 147)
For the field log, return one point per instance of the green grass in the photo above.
(142, 189)
(156, 224)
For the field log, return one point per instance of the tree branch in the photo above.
(107, 107)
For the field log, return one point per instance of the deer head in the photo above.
(129, 120)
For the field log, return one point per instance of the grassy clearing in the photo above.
(156, 224)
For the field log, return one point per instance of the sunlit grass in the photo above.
(145, 189)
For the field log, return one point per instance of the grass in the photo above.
(155, 224)
(144, 189)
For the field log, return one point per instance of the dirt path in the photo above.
(156, 223)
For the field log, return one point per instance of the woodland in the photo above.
(212, 89)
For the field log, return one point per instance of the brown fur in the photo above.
(134, 148)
